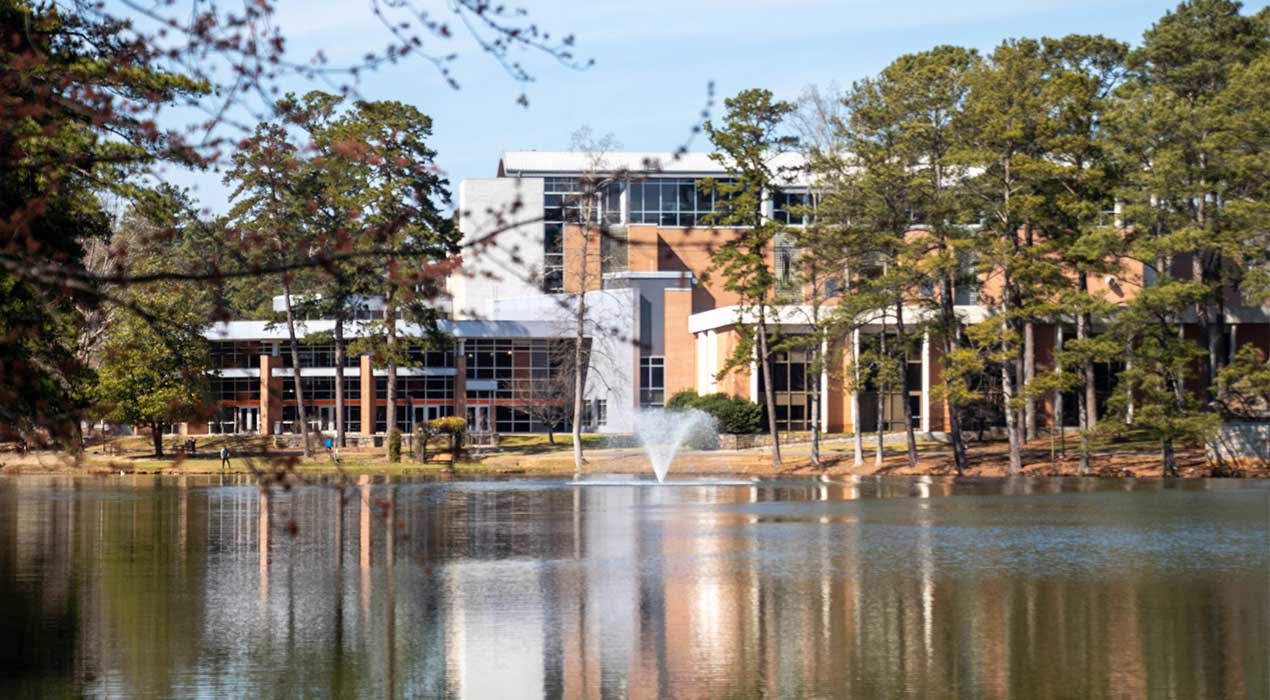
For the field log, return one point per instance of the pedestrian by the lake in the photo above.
(224, 457)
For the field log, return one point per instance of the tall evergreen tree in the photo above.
(1168, 126)
(399, 201)
(270, 198)
(744, 142)
(929, 90)
(1083, 73)
(1007, 118)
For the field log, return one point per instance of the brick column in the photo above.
(460, 380)
(270, 393)
(679, 345)
(369, 399)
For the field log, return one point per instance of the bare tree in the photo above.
(551, 401)
(588, 209)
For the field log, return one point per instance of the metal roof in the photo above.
(277, 331)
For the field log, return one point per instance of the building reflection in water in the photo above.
(859, 588)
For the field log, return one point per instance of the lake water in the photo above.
(145, 587)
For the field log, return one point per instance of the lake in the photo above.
(158, 587)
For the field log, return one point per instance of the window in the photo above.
(789, 208)
(315, 389)
(561, 203)
(595, 413)
(237, 355)
(670, 202)
(312, 356)
(785, 258)
(517, 365)
(966, 289)
(792, 388)
(352, 419)
(652, 381)
(236, 389)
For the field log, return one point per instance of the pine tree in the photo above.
(744, 142)
(270, 199)
(1168, 126)
(1007, 117)
(1083, 73)
(398, 196)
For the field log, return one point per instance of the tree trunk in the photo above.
(880, 390)
(156, 436)
(815, 419)
(579, 374)
(1007, 384)
(1128, 365)
(390, 316)
(1029, 373)
(1029, 356)
(339, 379)
(302, 416)
(910, 437)
(1167, 456)
(947, 319)
(1086, 399)
(858, 437)
(765, 366)
(817, 357)
(1057, 421)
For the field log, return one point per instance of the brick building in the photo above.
(657, 322)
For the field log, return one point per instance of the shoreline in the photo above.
(985, 462)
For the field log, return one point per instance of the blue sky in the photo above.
(655, 58)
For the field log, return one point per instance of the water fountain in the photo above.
(661, 433)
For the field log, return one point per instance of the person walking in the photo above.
(224, 457)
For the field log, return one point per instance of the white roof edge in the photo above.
(276, 331)
(649, 275)
(547, 163)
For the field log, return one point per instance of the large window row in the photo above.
(524, 370)
(670, 202)
(239, 389)
(317, 356)
(417, 388)
(237, 354)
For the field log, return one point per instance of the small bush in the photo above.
(733, 413)
(682, 399)
(450, 425)
(394, 445)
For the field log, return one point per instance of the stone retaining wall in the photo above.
(1242, 440)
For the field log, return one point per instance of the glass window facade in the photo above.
(237, 355)
(236, 389)
(670, 201)
(315, 388)
(524, 370)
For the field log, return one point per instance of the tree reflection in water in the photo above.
(146, 587)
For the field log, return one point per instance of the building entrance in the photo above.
(247, 420)
(480, 420)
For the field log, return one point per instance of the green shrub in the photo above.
(682, 399)
(734, 414)
(449, 425)
(394, 445)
